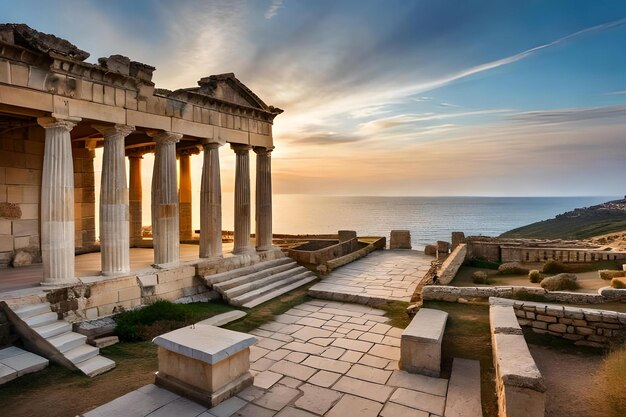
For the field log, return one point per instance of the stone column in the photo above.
(242, 199)
(263, 213)
(57, 202)
(114, 229)
(184, 196)
(211, 203)
(165, 235)
(135, 219)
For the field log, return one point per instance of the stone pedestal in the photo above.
(184, 197)
(206, 364)
(400, 239)
(242, 200)
(114, 229)
(211, 204)
(57, 202)
(135, 196)
(165, 232)
(420, 343)
(263, 198)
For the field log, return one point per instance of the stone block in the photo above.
(206, 364)
(346, 235)
(430, 250)
(400, 239)
(503, 320)
(19, 74)
(5, 227)
(29, 211)
(6, 243)
(130, 293)
(547, 319)
(420, 345)
(147, 280)
(558, 328)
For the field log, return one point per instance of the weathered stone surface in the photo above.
(400, 239)
(464, 391)
(363, 389)
(503, 320)
(277, 397)
(421, 342)
(316, 399)
(514, 363)
(416, 382)
(419, 400)
(355, 407)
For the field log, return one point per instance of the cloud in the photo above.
(273, 9)
(558, 116)
(616, 93)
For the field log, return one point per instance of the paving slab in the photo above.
(363, 389)
(419, 400)
(324, 378)
(417, 382)
(316, 399)
(464, 390)
(7, 374)
(25, 363)
(353, 406)
(277, 397)
(266, 379)
(228, 407)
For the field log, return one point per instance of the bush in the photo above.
(554, 267)
(161, 317)
(560, 282)
(480, 262)
(512, 268)
(480, 277)
(618, 283)
(535, 276)
(608, 274)
(607, 388)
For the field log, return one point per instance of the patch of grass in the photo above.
(265, 312)
(395, 311)
(161, 317)
(608, 384)
(467, 336)
(555, 267)
(618, 283)
(524, 295)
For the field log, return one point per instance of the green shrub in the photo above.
(618, 283)
(512, 268)
(535, 276)
(608, 274)
(607, 388)
(554, 267)
(161, 317)
(480, 262)
(560, 282)
(480, 277)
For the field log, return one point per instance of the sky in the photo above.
(404, 97)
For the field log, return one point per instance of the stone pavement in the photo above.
(382, 275)
(321, 358)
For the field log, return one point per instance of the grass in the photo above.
(608, 384)
(558, 344)
(163, 316)
(467, 336)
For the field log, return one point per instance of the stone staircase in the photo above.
(261, 282)
(58, 333)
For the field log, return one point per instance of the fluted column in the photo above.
(135, 201)
(242, 199)
(184, 197)
(57, 202)
(114, 229)
(263, 215)
(211, 203)
(165, 235)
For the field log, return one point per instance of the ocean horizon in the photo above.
(427, 218)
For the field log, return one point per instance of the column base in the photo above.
(166, 265)
(114, 274)
(266, 248)
(244, 251)
(63, 283)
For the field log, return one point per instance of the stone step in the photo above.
(225, 276)
(41, 319)
(67, 341)
(244, 279)
(251, 295)
(31, 310)
(96, 366)
(53, 329)
(262, 282)
(280, 291)
(81, 353)
(463, 399)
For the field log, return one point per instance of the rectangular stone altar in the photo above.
(206, 364)
(420, 344)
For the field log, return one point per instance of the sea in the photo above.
(428, 218)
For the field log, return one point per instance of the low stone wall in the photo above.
(309, 254)
(451, 265)
(456, 294)
(520, 385)
(100, 296)
(588, 327)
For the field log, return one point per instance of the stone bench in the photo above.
(520, 386)
(420, 344)
(206, 364)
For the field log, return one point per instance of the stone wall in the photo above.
(324, 254)
(460, 294)
(84, 197)
(451, 265)
(21, 160)
(589, 327)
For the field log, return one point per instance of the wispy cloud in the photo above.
(571, 115)
(616, 93)
(273, 9)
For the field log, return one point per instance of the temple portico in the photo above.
(55, 109)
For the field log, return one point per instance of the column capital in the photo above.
(134, 154)
(164, 137)
(188, 151)
(110, 130)
(212, 145)
(54, 121)
(261, 150)
(240, 148)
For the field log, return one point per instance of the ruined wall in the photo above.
(524, 254)
(21, 160)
